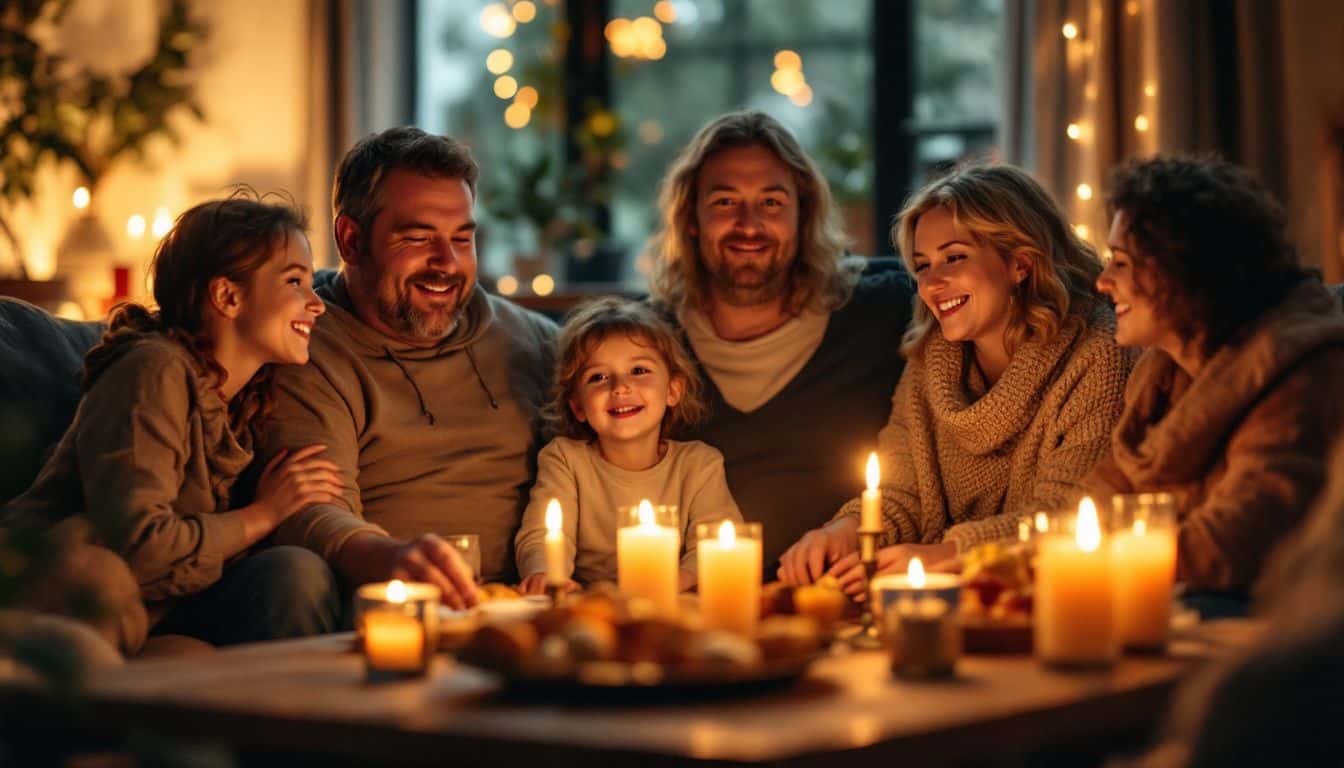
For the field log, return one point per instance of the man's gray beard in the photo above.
(727, 290)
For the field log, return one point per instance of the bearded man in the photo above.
(425, 390)
(800, 348)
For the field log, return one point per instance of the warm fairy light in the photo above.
(665, 11)
(505, 86)
(1088, 531)
(787, 81)
(499, 61)
(802, 97)
(1132, 7)
(524, 11)
(656, 50)
(70, 310)
(517, 115)
(641, 38)
(1074, 131)
(396, 591)
(727, 534)
(646, 27)
(81, 198)
(1150, 90)
(1084, 191)
(1141, 123)
(1090, 91)
(1140, 527)
(1070, 30)
(163, 221)
(135, 226)
(872, 472)
(543, 284)
(915, 573)
(497, 21)
(615, 28)
(527, 96)
(787, 59)
(554, 518)
(507, 285)
(1042, 522)
(646, 518)
(1082, 231)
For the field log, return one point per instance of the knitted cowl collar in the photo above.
(1180, 446)
(1004, 412)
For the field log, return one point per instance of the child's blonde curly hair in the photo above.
(598, 320)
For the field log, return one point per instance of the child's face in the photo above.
(279, 306)
(624, 389)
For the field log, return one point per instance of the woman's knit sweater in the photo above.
(962, 462)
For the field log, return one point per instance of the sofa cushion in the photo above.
(41, 357)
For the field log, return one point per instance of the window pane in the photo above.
(959, 61)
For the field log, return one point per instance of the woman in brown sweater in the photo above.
(1235, 403)
(1012, 385)
(164, 428)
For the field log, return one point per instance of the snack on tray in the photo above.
(493, 591)
(996, 598)
(822, 601)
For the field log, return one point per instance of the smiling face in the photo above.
(623, 390)
(414, 270)
(746, 224)
(278, 306)
(1131, 288)
(966, 284)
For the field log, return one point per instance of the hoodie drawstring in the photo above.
(472, 358)
(418, 394)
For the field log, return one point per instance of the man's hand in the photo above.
(432, 560)
(807, 560)
(536, 585)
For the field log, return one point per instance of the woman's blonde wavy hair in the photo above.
(818, 278)
(1005, 208)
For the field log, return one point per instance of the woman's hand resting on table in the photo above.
(810, 557)
(848, 571)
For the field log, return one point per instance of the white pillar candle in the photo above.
(1144, 552)
(870, 508)
(1075, 603)
(729, 566)
(647, 556)
(556, 572)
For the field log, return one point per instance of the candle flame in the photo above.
(1088, 531)
(915, 572)
(1042, 522)
(553, 515)
(727, 534)
(1140, 527)
(396, 591)
(873, 472)
(646, 518)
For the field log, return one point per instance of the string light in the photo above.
(543, 284)
(786, 59)
(527, 96)
(801, 97)
(81, 198)
(507, 285)
(517, 115)
(505, 87)
(1150, 90)
(1084, 191)
(524, 11)
(497, 21)
(135, 226)
(1132, 7)
(1070, 30)
(665, 11)
(1074, 131)
(499, 61)
(1141, 123)
(1082, 231)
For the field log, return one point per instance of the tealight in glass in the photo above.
(398, 625)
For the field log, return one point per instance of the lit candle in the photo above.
(729, 565)
(1144, 552)
(556, 574)
(920, 615)
(394, 642)
(1075, 601)
(398, 625)
(647, 560)
(870, 510)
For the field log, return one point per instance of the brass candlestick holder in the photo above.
(868, 637)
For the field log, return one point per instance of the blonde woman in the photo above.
(1012, 383)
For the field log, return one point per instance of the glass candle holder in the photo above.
(648, 555)
(1143, 547)
(920, 621)
(468, 545)
(1074, 623)
(398, 625)
(728, 565)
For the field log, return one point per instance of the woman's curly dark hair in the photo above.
(1211, 236)
(230, 238)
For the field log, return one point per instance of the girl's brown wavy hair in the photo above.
(598, 320)
(1006, 209)
(230, 238)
